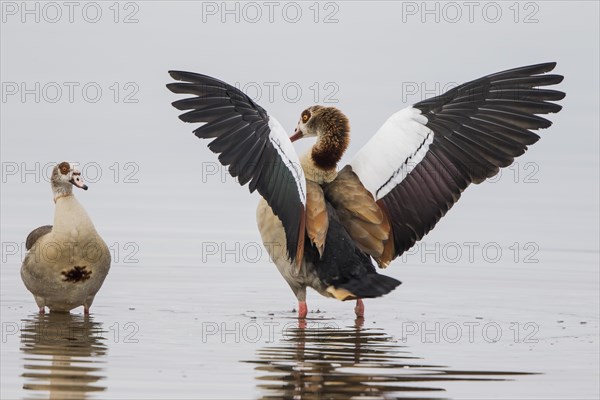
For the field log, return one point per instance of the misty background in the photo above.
(87, 85)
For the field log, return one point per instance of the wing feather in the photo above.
(470, 132)
(35, 234)
(251, 143)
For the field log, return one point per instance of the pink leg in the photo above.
(302, 309)
(86, 310)
(360, 308)
(42, 310)
(301, 323)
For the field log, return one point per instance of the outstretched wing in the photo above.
(252, 144)
(424, 156)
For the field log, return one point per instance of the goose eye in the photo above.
(305, 117)
(64, 168)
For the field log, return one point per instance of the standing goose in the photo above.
(66, 264)
(322, 227)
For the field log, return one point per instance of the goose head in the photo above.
(331, 128)
(64, 177)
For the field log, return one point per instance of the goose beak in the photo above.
(76, 180)
(297, 135)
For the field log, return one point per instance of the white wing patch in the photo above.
(282, 143)
(393, 152)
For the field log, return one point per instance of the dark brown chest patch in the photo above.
(76, 274)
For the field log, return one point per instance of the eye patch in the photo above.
(64, 167)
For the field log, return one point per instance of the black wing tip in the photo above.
(558, 96)
(180, 104)
(194, 77)
(189, 117)
(549, 66)
(553, 79)
(562, 78)
(176, 87)
(533, 69)
(543, 68)
(186, 76)
(184, 87)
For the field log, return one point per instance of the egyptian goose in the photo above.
(322, 227)
(67, 263)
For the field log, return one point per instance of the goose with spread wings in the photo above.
(325, 227)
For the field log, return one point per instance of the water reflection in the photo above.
(63, 355)
(323, 361)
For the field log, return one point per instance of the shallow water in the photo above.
(179, 317)
(353, 361)
(65, 356)
(188, 332)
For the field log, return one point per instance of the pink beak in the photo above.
(76, 180)
(297, 135)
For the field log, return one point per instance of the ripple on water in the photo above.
(63, 355)
(328, 362)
